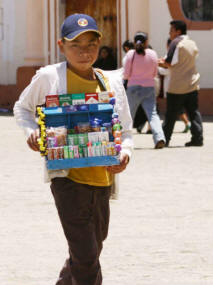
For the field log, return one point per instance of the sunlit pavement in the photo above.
(161, 225)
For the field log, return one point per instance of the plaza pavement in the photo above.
(161, 229)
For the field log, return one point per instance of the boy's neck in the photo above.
(86, 74)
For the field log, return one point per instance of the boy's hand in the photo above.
(124, 160)
(32, 140)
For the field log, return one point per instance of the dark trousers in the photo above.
(141, 118)
(176, 102)
(84, 215)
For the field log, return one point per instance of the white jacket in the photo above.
(51, 80)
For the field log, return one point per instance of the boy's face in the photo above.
(82, 52)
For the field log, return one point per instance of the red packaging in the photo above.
(91, 98)
(52, 101)
(58, 152)
(50, 153)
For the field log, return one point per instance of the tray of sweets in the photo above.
(80, 135)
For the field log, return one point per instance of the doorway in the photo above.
(105, 13)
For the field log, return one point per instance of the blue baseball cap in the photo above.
(77, 24)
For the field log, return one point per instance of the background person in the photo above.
(127, 45)
(165, 75)
(183, 83)
(140, 70)
(140, 118)
(106, 60)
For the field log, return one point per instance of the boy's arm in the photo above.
(122, 108)
(25, 107)
(126, 122)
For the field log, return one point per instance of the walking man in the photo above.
(184, 83)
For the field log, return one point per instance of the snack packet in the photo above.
(60, 133)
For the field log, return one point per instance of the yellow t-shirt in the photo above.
(96, 176)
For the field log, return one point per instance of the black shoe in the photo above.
(194, 143)
(139, 129)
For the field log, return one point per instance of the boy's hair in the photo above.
(128, 44)
(179, 25)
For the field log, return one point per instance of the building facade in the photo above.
(29, 31)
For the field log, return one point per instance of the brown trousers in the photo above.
(84, 215)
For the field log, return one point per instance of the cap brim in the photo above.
(76, 34)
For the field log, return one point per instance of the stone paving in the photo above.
(161, 225)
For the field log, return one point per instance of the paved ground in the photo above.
(161, 226)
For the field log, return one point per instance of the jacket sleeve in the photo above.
(32, 96)
(126, 122)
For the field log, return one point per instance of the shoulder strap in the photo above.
(100, 79)
(132, 63)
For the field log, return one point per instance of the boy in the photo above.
(81, 195)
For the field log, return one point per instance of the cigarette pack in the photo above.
(52, 101)
(65, 100)
(78, 99)
(91, 98)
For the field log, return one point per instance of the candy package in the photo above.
(59, 133)
(83, 127)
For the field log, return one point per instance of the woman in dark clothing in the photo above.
(106, 60)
